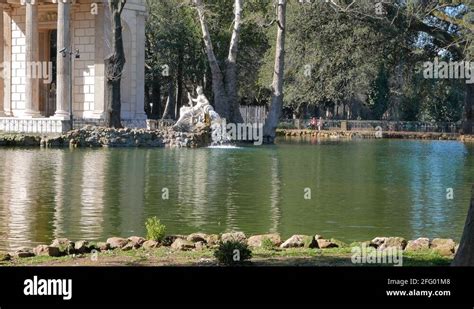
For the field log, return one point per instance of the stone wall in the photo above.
(18, 65)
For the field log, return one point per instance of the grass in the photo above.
(164, 256)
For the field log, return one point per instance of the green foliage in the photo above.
(267, 244)
(155, 230)
(379, 94)
(232, 253)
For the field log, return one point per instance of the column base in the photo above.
(61, 115)
(31, 114)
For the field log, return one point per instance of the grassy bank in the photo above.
(165, 256)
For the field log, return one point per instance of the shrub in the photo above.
(267, 244)
(154, 229)
(232, 253)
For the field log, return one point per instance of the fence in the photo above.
(370, 125)
(253, 114)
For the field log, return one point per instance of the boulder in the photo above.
(136, 241)
(257, 240)
(418, 244)
(298, 241)
(234, 236)
(150, 244)
(212, 240)
(170, 239)
(444, 247)
(377, 241)
(129, 246)
(5, 257)
(82, 247)
(44, 250)
(65, 245)
(182, 244)
(398, 243)
(103, 246)
(326, 244)
(117, 242)
(196, 237)
(24, 253)
(200, 245)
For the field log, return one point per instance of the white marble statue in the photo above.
(192, 114)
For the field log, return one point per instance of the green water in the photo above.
(359, 190)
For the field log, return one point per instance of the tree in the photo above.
(225, 90)
(465, 254)
(114, 65)
(273, 117)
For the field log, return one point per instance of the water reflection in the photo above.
(359, 190)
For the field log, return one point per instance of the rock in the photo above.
(117, 242)
(5, 257)
(24, 253)
(82, 247)
(444, 247)
(393, 242)
(103, 246)
(200, 245)
(129, 246)
(418, 244)
(196, 237)
(377, 242)
(136, 241)
(64, 245)
(212, 240)
(257, 240)
(297, 241)
(326, 244)
(44, 250)
(182, 244)
(234, 236)
(170, 239)
(150, 244)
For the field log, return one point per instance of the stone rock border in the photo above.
(200, 241)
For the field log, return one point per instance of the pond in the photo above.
(349, 190)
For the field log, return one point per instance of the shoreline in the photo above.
(100, 137)
(197, 250)
(365, 134)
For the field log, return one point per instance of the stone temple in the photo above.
(54, 50)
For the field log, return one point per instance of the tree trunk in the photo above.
(170, 102)
(114, 65)
(468, 115)
(179, 81)
(156, 98)
(231, 66)
(273, 117)
(220, 97)
(465, 254)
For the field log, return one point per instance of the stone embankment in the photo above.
(372, 134)
(96, 137)
(200, 241)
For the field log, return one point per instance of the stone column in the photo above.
(140, 71)
(32, 60)
(2, 60)
(63, 65)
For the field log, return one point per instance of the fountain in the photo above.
(202, 116)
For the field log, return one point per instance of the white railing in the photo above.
(33, 125)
